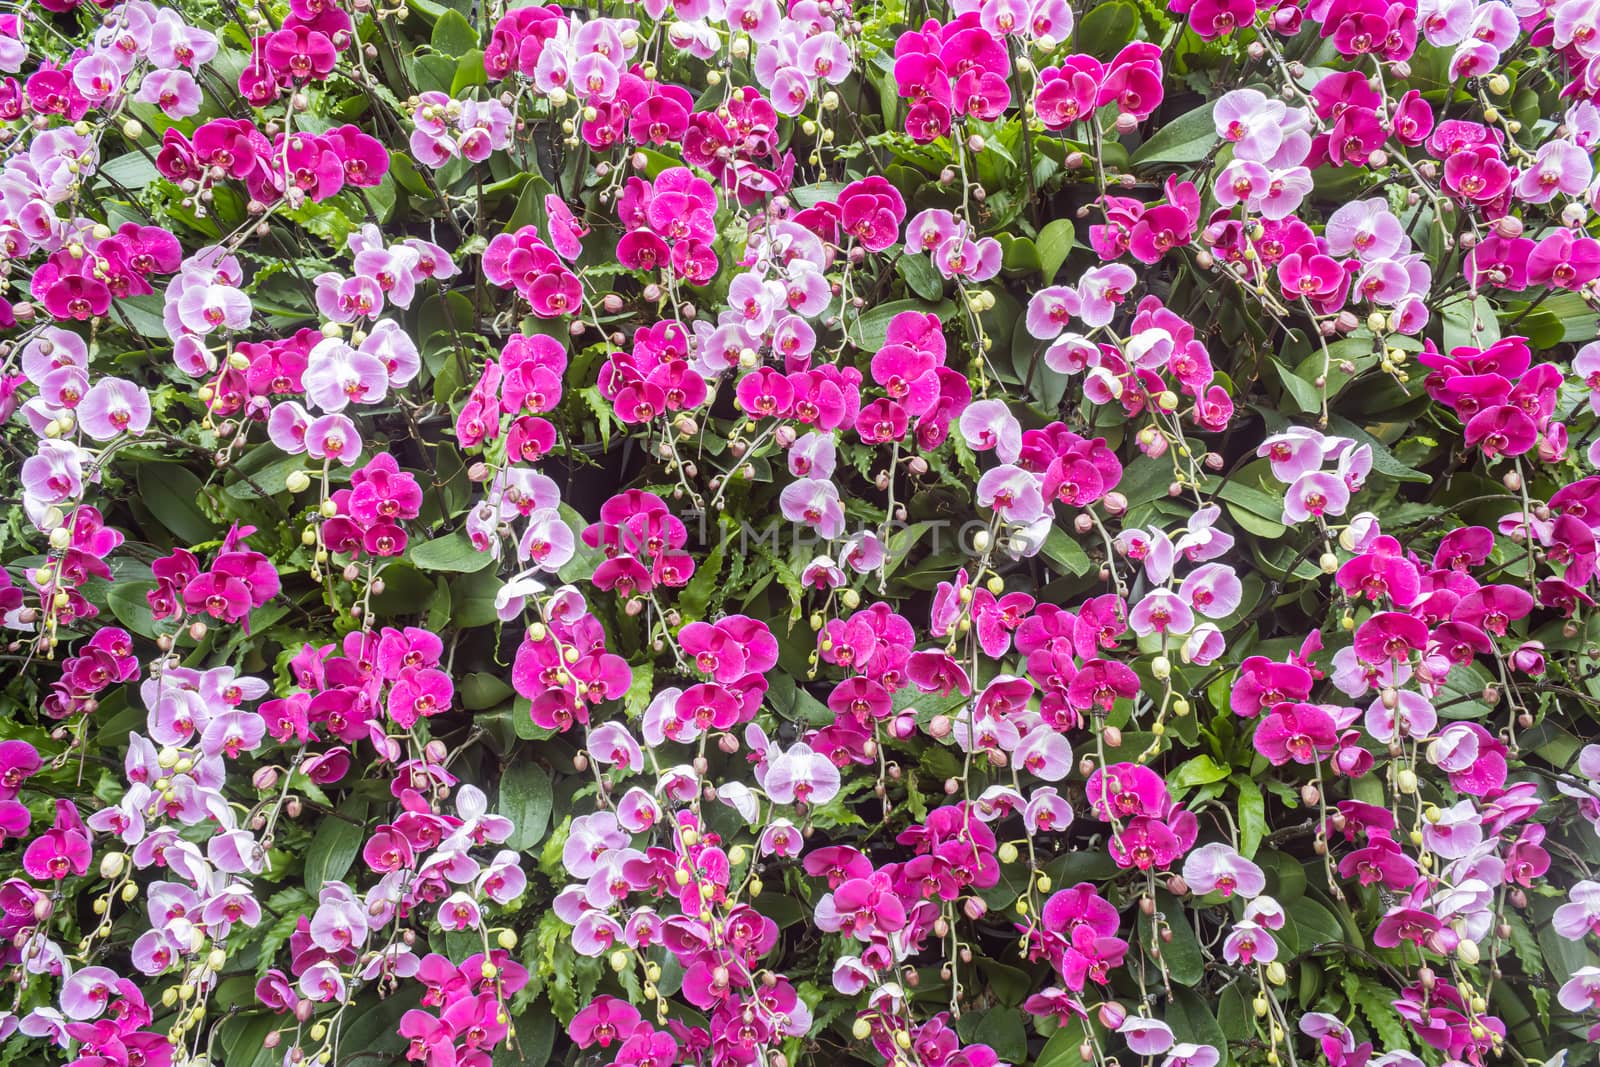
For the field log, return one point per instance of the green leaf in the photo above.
(1186, 139)
(169, 491)
(453, 35)
(1107, 27)
(1255, 509)
(127, 602)
(536, 1036)
(1313, 925)
(1191, 1020)
(526, 798)
(1066, 553)
(1001, 1029)
(1252, 815)
(1055, 243)
(1459, 316)
(1010, 985)
(469, 72)
(1019, 255)
(1062, 1048)
(1306, 395)
(872, 329)
(696, 596)
(131, 170)
(1182, 955)
(453, 552)
(1383, 460)
(472, 598)
(640, 690)
(337, 841)
(1579, 323)
(480, 691)
(920, 275)
(1201, 770)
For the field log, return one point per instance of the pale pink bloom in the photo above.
(175, 92)
(287, 425)
(930, 229)
(1070, 353)
(1318, 494)
(203, 308)
(1296, 451)
(548, 542)
(1047, 811)
(87, 993)
(1013, 493)
(1252, 122)
(612, 745)
(812, 456)
(1145, 1037)
(1219, 868)
(1045, 754)
(815, 503)
(1203, 645)
(863, 552)
(393, 347)
(114, 406)
(322, 982)
(802, 776)
(1050, 310)
(1102, 289)
(333, 437)
(337, 375)
(1457, 830)
(1559, 167)
(1161, 611)
(1445, 22)
(1213, 589)
(989, 424)
(1367, 229)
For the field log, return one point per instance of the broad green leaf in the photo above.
(336, 843)
(1186, 139)
(1460, 316)
(1107, 27)
(1255, 509)
(453, 35)
(454, 552)
(1001, 1029)
(127, 602)
(920, 275)
(1064, 551)
(1055, 243)
(1198, 771)
(1062, 1048)
(1306, 395)
(169, 491)
(1019, 254)
(472, 598)
(480, 690)
(1191, 1020)
(1182, 955)
(584, 559)
(526, 798)
(1252, 815)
